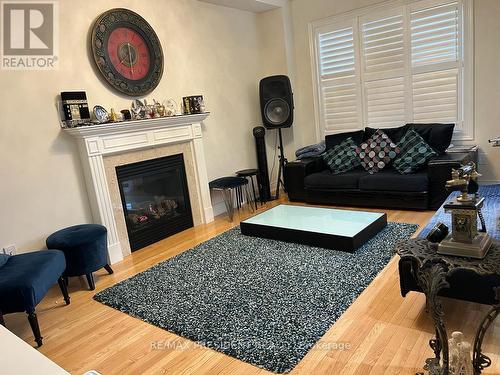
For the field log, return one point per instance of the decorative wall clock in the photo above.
(127, 52)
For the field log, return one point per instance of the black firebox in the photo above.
(155, 199)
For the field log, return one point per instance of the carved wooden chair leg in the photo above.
(108, 268)
(35, 327)
(90, 280)
(64, 289)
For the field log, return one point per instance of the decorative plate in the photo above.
(127, 52)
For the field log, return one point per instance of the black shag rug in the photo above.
(262, 301)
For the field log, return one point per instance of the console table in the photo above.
(432, 272)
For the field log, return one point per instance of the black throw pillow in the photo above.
(438, 136)
(336, 139)
(395, 134)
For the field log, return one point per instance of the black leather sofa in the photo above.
(311, 181)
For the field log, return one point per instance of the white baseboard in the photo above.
(219, 208)
(115, 253)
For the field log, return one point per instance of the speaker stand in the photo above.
(281, 168)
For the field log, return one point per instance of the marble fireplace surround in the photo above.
(104, 147)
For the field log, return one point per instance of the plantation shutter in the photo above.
(435, 35)
(435, 97)
(339, 92)
(435, 56)
(391, 64)
(383, 57)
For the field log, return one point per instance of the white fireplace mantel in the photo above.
(98, 141)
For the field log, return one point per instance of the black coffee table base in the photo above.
(327, 241)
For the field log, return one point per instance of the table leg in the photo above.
(432, 279)
(227, 196)
(237, 193)
(253, 190)
(479, 360)
(247, 193)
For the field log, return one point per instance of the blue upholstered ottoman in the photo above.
(85, 248)
(24, 281)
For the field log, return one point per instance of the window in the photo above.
(399, 62)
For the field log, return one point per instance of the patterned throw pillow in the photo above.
(342, 158)
(377, 152)
(415, 153)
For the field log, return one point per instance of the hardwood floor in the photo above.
(386, 334)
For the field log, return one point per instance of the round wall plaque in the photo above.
(127, 52)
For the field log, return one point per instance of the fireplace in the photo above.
(105, 147)
(155, 199)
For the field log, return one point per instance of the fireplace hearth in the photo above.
(155, 199)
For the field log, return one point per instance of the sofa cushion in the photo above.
(326, 180)
(26, 278)
(438, 136)
(342, 158)
(390, 180)
(415, 153)
(395, 134)
(3, 259)
(377, 152)
(336, 139)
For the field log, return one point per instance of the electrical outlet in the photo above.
(10, 250)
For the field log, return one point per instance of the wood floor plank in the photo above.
(386, 333)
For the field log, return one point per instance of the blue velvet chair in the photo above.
(85, 247)
(24, 281)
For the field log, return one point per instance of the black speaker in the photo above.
(263, 177)
(276, 102)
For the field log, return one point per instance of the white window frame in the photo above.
(466, 92)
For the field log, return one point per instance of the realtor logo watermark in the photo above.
(30, 35)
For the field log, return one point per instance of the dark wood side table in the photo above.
(433, 271)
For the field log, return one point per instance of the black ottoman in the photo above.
(226, 186)
(85, 248)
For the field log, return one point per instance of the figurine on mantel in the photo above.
(142, 110)
(114, 116)
(171, 108)
(138, 110)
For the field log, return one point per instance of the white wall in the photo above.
(209, 50)
(487, 85)
(487, 80)
(275, 34)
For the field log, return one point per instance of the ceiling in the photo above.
(256, 6)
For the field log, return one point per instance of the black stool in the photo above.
(226, 186)
(245, 173)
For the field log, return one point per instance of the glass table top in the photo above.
(314, 219)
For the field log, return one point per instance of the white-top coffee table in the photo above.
(323, 227)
